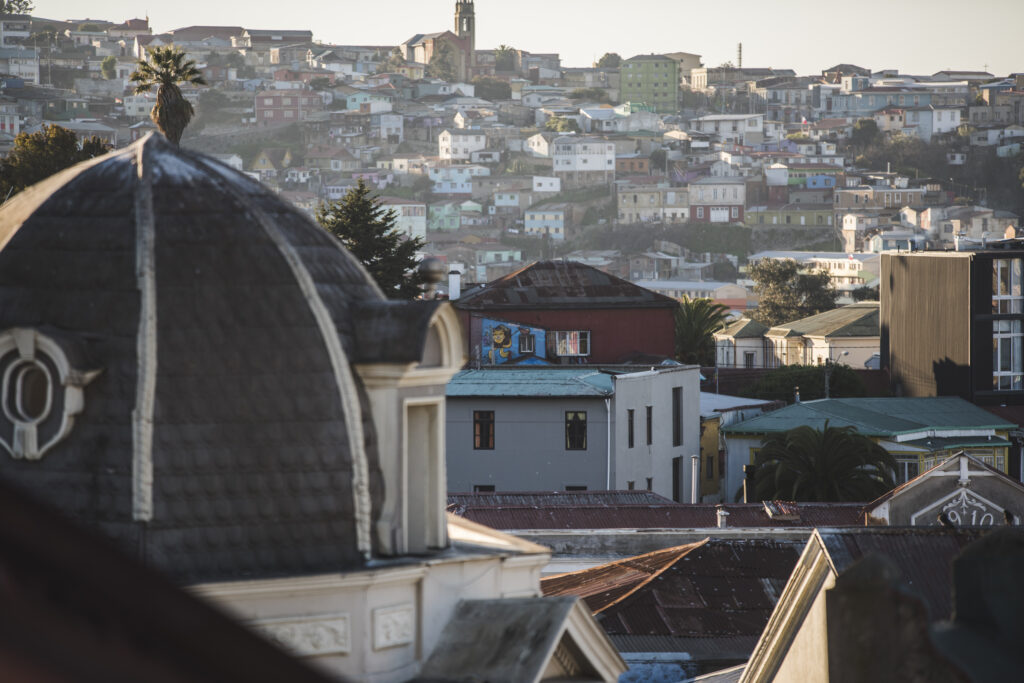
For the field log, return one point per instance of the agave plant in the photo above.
(164, 68)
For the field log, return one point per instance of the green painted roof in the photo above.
(882, 417)
(532, 382)
(855, 320)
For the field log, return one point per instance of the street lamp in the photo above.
(828, 369)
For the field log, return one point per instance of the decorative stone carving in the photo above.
(40, 392)
(310, 636)
(964, 508)
(394, 626)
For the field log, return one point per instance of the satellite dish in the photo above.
(1010, 232)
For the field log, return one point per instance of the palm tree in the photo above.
(504, 58)
(832, 464)
(696, 321)
(165, 68)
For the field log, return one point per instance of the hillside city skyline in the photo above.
(812, 43)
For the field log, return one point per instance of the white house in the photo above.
(460, 144)
(583, 160)
(411, 216)
(743, 129)
(848, 335)
(741, 345)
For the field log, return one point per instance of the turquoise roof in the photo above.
(532, 382)
(882, 417)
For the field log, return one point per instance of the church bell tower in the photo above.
(465, 25)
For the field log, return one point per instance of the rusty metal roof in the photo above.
(587, 515)
(561, 284)
(716, 588)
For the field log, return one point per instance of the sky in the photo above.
(914, 36)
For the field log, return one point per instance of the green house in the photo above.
(652, 80)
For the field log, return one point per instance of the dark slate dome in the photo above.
(176, 346)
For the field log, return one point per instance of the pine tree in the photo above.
(368, 231)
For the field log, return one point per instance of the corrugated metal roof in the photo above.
(556, 498)
(561, 284)
(670, 516)
(875, 416)
(716, 588)
(924, 556)
(855, 320)
(531, 382)
(711, 403)
(744, 328)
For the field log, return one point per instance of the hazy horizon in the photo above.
(914, 37)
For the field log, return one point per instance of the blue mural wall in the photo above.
(504, 342)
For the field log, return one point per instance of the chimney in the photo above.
(694, 477)
(723, 516)
(454, 285)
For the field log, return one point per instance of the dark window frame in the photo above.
(575, 430)
(483, 430)
(630, 431)
(677, 421)
(650, 425)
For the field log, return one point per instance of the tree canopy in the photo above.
(505, 58)
(865, 132)
(780, 384)
(37, 156)
(108, 67)
(833, 464)
(442, 62)
(560, 124)
(610, 60)
(590, 95)
(395, 60)
(16, 6)
(488, 88)
(368, 231)
(696, 321)
(164, 68)
(787, 293)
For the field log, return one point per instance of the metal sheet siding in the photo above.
(926, 323)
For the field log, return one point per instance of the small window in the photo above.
(629, 428)
(630, 485)
(650, 483)
(650, 425)
(576, 430)
(483, 488)
(573, 343)
(575, 488)
(709, 468)
(483, 429)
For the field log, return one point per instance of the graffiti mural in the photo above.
(505, 342)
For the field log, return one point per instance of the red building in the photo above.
(285, 106)
(589, 316)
